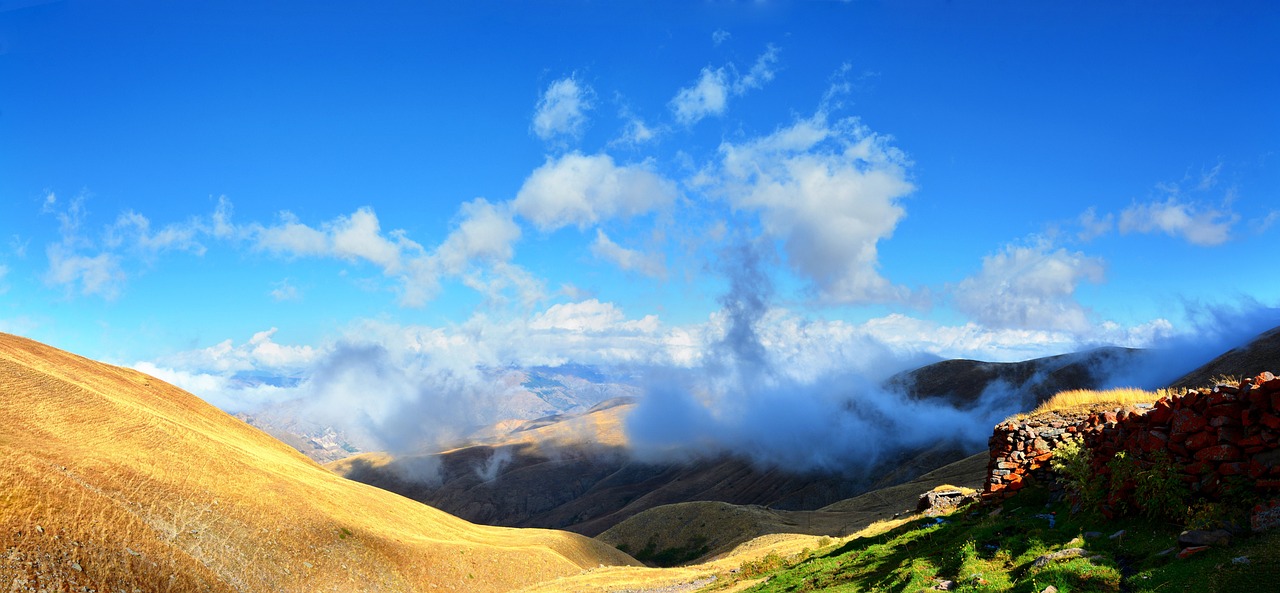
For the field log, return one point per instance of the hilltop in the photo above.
(116, 480)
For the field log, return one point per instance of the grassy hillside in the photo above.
(1005, 549)
(696, 531)
(114, 480)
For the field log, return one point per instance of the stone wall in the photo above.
(1021, 449)
(1228, 433)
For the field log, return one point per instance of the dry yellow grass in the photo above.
(1083, 400)
(114, 480)
(597, 428)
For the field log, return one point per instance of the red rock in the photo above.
(1223, 388)
(1275, 399)
(1230, 434)
(1187, 421)
(1268, 484)
(1200, 440)
(1153, 441)
(1235, 468)
(1232, 410)
(1160, 414)
(1258, 399)
(1251, 441)
(1265, 516)
(1109, 416)
(1218, 421)
(1257, 469)
(1189, 552)
(1271, 384)
(1219, 453)
(1197, 468)
(1270, 421)
(1250, 417)
(1006, 465)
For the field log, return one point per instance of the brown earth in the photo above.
(114, 480)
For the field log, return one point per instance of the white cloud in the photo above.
(562, 110)
(353, 238)
(260, 352)
(1093, 226)
(709, 96)
(590, 316)
(99, 275)
(719, 36)
(636, 132)
(1029, 287)
(285, 291)
(575, 189)
(830, 193)
(485, 232)
(761, 72)
(1195, 223)
(359, 236)
(627, 259)
(133, 230)
(291, 238)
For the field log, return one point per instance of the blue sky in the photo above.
(204, 189)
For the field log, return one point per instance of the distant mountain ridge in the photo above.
(592, 489)
(961, 382)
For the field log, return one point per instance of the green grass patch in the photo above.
(978, 552)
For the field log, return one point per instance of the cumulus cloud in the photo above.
(591, 316)
(562, 110)
(355, 237)
(630, 260)
(577, 189)
(709, 96)
(719, 36)
(1029, 287)
(484, 232)
(1197, 224)
(830, 192)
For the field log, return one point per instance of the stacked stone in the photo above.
(1021, 450)
(1211, 436)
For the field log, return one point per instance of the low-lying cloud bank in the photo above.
(754, 379)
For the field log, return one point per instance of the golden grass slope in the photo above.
(114, 480)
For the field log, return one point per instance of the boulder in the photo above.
(1199, 537)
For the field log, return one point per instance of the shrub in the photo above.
(1074, 464)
